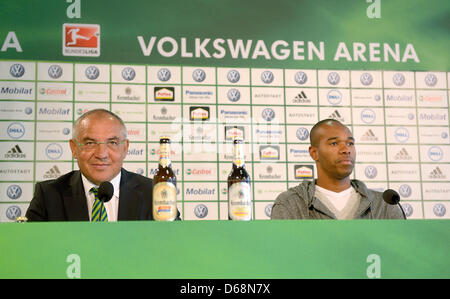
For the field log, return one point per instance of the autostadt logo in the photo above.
(54, 151)
(234, 95)
(233, 76)
(435, 153)
(368, 116)
(13, 212)
(401, 134)
(370, 172)
(128, 73)
(15, 130)
(366, 79)
(55, 71)
(302, 133)
(334, 97)
(199, 75)
(17, 70)
(201, 211)
(300, 77)
(267, 77)
(92, 72)
(14, 191)
(334, 78)
(268, 114)
(164, 74)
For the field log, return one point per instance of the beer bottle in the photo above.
(164, 189)
(239, 194)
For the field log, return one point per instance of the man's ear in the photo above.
(73, 148)
(313, 152)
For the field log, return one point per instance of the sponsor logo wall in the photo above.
(400, 120)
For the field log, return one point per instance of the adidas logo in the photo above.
(53, 173)
(369, 136)
(402, 155)
(301, 98)
(437, 174)
(337, 116)
(15, 153)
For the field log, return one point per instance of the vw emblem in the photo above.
(13, 212)
(55, 71)
(268, 210)
(268, 114)
(371, 172)
(233, 76)
(398, 79)
(334, 78)
(430, 80)
(366, 79)
(201, 211)
(164, 75)
(128, 73)
(17, 70)
(92, 72)
(302, 134)
(405, 190)
(199, 75)
(408, 209)
(267, 77)
(14, 191)
(234, 95)
(439, 210)
(300, 77)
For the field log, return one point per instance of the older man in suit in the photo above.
(100, 145)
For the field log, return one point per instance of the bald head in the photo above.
(96, 113)
(315, 133)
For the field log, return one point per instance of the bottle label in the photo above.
(239, 201)
(164, 155)
(164, 201)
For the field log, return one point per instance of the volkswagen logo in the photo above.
(14, 191)
(268, 114)
(55, 71)
(405, 190)
(199, 75)
(431, 80)
(439, 210)
(128, 73)
(201, 211)
(233, 76)
(17, 70)
(398, 79)
(92, 72)
(334, 78)
(268, 210)
(267, 77)
(13, 212)
(302, 134)
(164, 75)
(408, 209)
(371, 172)
(234, 95)
(300, 77)
(366, 79)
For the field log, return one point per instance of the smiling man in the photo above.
(99, 144)
(333, 195)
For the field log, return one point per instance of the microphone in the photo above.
(393, 198)
(105, 193)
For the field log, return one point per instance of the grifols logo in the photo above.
(81, 40)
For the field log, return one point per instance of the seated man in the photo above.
(100, 145)
(333, 195)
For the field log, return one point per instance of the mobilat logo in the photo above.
(16, 90)
(54, 111)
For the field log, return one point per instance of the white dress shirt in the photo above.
(112, 206)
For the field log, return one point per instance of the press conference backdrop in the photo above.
(203, 72)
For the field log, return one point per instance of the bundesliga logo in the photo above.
(81, 40)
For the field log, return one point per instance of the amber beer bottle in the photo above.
(239, 195)
(164, 189)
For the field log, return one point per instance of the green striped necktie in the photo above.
(96, 208)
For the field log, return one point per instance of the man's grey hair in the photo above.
(97, 111)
